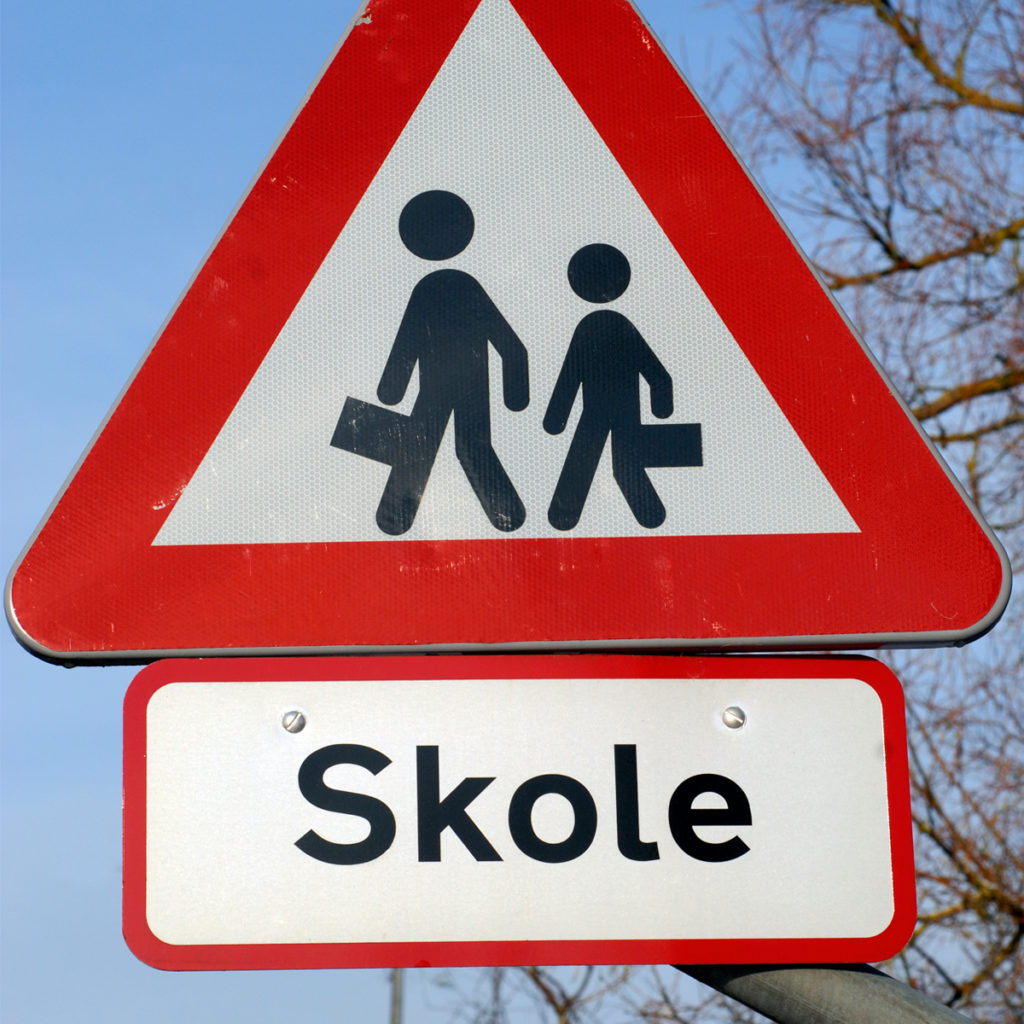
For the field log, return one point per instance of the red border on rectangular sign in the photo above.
(152, 950)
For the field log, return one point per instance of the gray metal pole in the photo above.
(835, 994)
(396, 995)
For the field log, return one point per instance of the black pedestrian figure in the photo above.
(606, 358)
(446, 328)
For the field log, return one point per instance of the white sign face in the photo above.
(499, 128)
(514, 810)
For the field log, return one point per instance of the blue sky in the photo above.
(130, 131)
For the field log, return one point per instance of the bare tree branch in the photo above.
(1007, 381)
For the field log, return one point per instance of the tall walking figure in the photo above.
(446, 329)
(606, 359)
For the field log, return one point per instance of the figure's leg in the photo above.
(487, 475)
(410, 471)
(577, 474)
(631, 476)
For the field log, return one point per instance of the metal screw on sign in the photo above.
(734, 717)
(293, 721)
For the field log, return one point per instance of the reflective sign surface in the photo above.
(498, 351)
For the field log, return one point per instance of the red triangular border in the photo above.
(923, 569)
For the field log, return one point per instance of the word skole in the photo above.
(687, 812)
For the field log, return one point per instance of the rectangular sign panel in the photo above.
(477, 810)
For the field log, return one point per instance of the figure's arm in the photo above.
(515, 376)
(402, 358)
(562, 398)
(657, 377)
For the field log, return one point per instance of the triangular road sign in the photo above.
(503, 348)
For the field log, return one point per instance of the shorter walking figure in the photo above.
(606, 358)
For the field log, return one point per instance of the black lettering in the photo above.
(683, 817)
(435, 815)
(627, 807)
(520, 820)
(319, 794)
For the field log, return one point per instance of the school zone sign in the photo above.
(497, 355)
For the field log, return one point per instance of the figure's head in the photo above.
(436, 225)
(599, 273)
